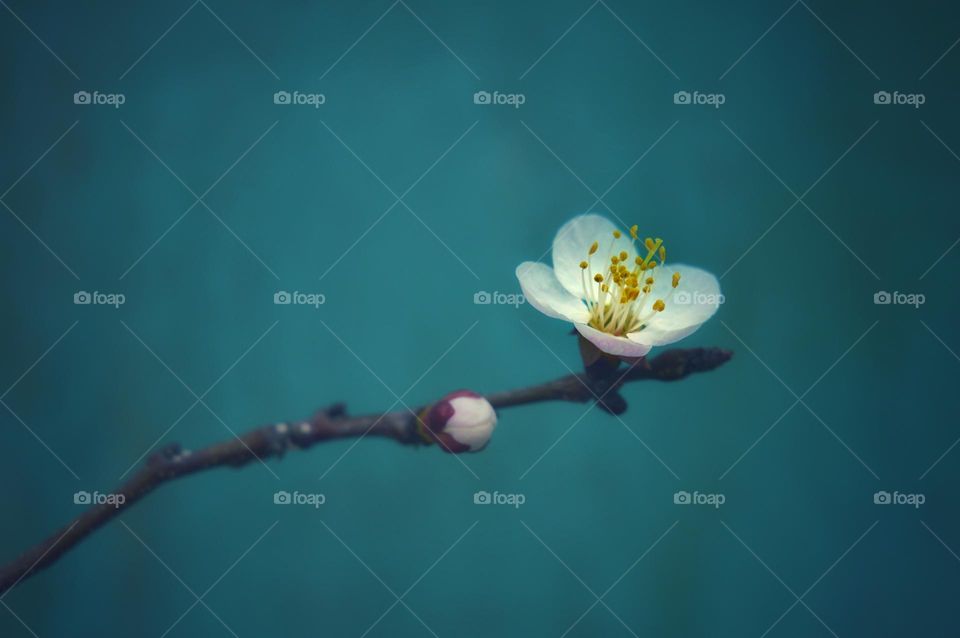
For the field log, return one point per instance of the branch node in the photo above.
(164, 455)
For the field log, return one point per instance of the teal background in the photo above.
(799, 509)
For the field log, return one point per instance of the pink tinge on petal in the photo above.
(449, 444)
(462, 421)
(656, 337)
(612, 344)
(434, 421)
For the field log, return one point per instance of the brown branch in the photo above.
(173, 462)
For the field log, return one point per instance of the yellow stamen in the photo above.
(618, 305)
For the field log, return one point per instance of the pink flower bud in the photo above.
(462, 421)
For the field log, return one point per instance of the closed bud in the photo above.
(462, 421)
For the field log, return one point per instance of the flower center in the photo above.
(618, 289)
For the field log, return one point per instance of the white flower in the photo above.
(617, 290)
(462, 421)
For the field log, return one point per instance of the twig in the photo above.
(173, 462)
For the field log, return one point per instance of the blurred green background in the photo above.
(298, 198)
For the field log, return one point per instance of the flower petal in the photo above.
(695, 300)
(572, 244)
(472, 423)
(544, 292)
(611, 344)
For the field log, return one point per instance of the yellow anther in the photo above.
(676, 279)
(651, 265)
(633, 231)
(649, 281)
(583, 265)
(632, 282)
(646, 289)
(616, 234)
(634, 293)
(658, 305)
(604, 287)
(593, 248)
(598, 277)
(649, 243)
(623, 255)
(638, 261)
(663, 254)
